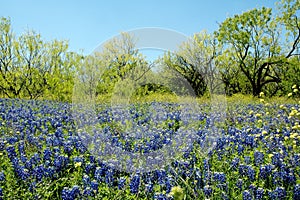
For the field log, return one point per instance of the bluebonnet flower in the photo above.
(38, 172)
(68, 147)
(12, 140)
(220, 177)
(198, 178)
(161, 176)
(36, 157)
(239, 183)
(279, 193)
(247, 195)
(32, 186)
(23, 158)
(149, 187)
(206, 164)
(87, 192)
(75, 191)
(252, 188)
(258, 157)
(296, 159)
(21, 147)
(243, 170)
(47, 154)
(224, 196)
(121, 183)
(259, 193)
(99, 174)
(169, 184)
(160, 197)
(207, 177)
(49, 171)
(134, 184)
(2, 176)
(86, 180)
(240, 149)
(207, 191)
(94, 185)
(296, 195)
(235, 163)
(89, 167)
(22, 172)
(66, 194)
(1, 192)
(11, 152)
(109, 177)
(276, 159)
(251, 173)
(2, 145)
(247, 160)
(59, 162)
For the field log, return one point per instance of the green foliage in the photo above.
(31, 68)
(251, 52)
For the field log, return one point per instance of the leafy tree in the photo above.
(255, 42)
(31, 68)
(11, 83)
(194, 61)
(120, 60)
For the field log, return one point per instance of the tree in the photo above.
(119, 60)
(11, 83)
(194, 61)
(231, 76)
(255, 41)
(31, 68)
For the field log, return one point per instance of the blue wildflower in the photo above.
(75, 191)
(219, 177)
(121, 183)
(86, 180)
(296, 195)
(259, 193)
(66, 194)
(149, 187)
(134, 184)
(2, 176)
(47, 154)
(239, 183)
(160, 197)
(87, 192)
(207, 190)
(94, 185)
(247, 195)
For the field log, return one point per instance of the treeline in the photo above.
(256, 51)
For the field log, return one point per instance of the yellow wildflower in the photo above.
(271, 155)
(286, 137)
(281, 106)
(261, 94)
(258, 115)
(77, 164)
(177, 193)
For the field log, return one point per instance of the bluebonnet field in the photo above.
(257, 155)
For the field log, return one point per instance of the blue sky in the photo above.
(86, 24)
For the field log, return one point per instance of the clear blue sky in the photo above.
(86, 24)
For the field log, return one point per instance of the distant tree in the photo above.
(255, 42)
(195, 62)
(31, 68)
(11, 81)
(119, 60)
